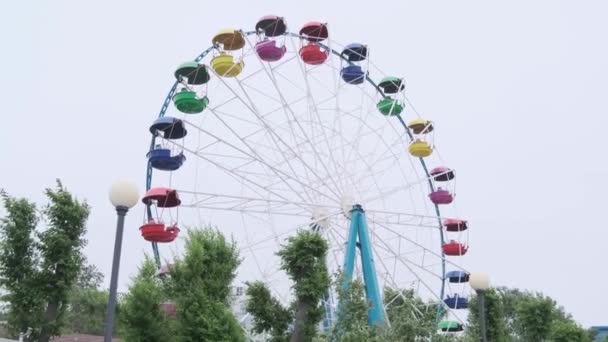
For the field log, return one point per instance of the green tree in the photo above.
(411, 318)
(495, 318)
(268, 313)
(200, 285)
(60, 250)
(140, 318)
(18, 265)
(351, 319)
(569, 331)
(303, 259)
(38, 269)
(87, 303)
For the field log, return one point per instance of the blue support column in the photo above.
(350, 253)
(372, 289)
(358, 228)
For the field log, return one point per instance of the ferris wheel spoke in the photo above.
(315, 110)
(254, 156)
(433, 253)
(389, 276)
(293, 118)
(422, 281)
(276, 139)
(248, 203)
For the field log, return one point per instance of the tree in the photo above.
(38, 269)
(351, 320)
(140, 318)
(568, 331)
(516, 315)
(495, 318)
(60, 247)
(200, 285)
(303, 259)
(268, 313)
(18, 262)
(87, 303)
(411, 318)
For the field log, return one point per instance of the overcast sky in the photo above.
(519, 88)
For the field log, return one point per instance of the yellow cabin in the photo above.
(420, 126)
(420, 149)
(224, 65)
(230, 39)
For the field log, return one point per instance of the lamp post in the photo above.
(123, 195)
(480, 282)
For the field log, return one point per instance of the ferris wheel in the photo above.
(270, 131)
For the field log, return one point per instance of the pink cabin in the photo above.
(454, 248)
(455, 225)
(441, 196)
(268, 50)
(442, 174)
(168, 308)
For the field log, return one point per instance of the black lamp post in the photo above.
(480, 282)
(124, 196)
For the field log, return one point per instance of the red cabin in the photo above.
(168, 308)
(162, 197)
(158, 232)
(455, 225)
(313, 53)
(454, 248)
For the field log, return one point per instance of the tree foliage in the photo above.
(351, 318)
(303, 259)
(18, 264)
(268, 313)
(87, 303)
(495, 318)
(39, 267)
(519, 316)
(140, 318)
(411, 319)
(199, 287)
(60, 246)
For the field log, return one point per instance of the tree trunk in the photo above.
(300, 320)
(49, 318)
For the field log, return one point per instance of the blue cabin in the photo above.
(456, 302)
(172, 128)
(161, 159)
(457, 276)
(353, 73)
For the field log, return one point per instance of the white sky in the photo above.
(518, 88)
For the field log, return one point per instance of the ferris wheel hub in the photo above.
(347, 204)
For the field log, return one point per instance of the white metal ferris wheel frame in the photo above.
(395, 218)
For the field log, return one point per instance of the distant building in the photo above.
(602, 332)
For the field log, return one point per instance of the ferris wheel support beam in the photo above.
(358, 229)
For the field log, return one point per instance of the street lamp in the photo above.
(123, 195)
(480, 282)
